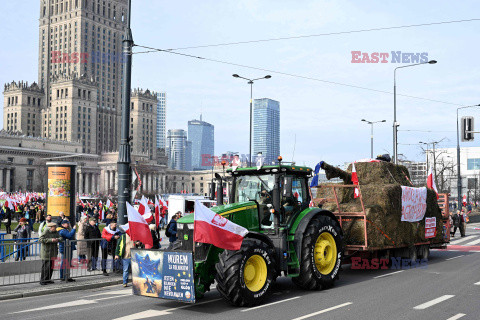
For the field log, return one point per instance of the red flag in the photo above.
(355, 181)
(109, 204)
(212, 228)
(464, 201)
(157, 212)
(431, 182)
(138, 226)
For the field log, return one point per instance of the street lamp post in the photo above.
(124, 159)
(250, 82)
(433, 143)
(395, 124)
(371, 123)
(459, 178)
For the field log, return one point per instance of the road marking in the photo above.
(472, 243)
(323, 311)
(269, 304)
(477, 284)
(457, 316)
(464, 239)
(156, 313)
(388, 274)
(114, 297)
(60, 305)
(122, 292)
(455, 257)
(433, 302)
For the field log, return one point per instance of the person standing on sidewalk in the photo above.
(66, 251)
(171, 231)
(92, 232)
(22, 231)
(8, 217)
(49, 252)
(110, 235)
(82, 245)
(43, 226)
(456, 222)
(462, 223)
(124, 245)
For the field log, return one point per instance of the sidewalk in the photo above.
(35, 289)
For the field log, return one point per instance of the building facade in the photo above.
(266, 129)
(161, 120)
(176, 147)
(202, 136)
(143, 123)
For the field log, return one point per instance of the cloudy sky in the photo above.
(319, 119)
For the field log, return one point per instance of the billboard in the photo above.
(60, 190)
(160, 274)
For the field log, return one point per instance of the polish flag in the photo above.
(109, 204)
(464, 201)
(138, 226)
(235, 162)
(212, 228)
(355, 181)
(157, 212)
(9, 204)
(431, 182)
(144, 210)
(126, 228)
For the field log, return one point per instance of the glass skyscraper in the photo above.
(266, 129)
(161, 119)
(176, 148)
(201, 134)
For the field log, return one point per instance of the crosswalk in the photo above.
(469, 243)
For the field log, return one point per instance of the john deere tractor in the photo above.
(285, 236)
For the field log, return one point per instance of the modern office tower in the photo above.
(176, 147)
(266, 129)
(161, 119)
(201, 134)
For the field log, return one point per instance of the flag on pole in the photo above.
(212, 228)
(109, 204)
(355, 181)
(157, 211)
(138, 227)
(260, 160)
(314, 182)
(431, 182)
(235, 162)
(144, 210)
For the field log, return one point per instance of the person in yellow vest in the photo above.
(124, 245)
(43, 226)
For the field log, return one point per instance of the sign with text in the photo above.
(59, 190)
(160, 274)
(430, 227)
(414, 203)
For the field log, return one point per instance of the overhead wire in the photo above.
(152, 49)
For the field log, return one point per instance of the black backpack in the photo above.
(167, 230)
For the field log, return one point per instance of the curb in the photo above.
(59, 290)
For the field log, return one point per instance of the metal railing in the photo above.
(21, 261)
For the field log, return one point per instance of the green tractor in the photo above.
(285, 235)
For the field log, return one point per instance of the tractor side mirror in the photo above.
(287, 187)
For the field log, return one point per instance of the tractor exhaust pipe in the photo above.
(219, 189)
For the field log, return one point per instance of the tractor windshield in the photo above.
(255, 187)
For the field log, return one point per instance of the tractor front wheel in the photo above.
(322, 250)
(244, 277)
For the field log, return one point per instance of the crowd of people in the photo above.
(459, 220)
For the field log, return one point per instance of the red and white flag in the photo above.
(109, 204)
(464, 201)
(157, 212)
(138, 226)
(235, 162)
(355, 181)
(431, 182)
(144, 210)
(212, 228)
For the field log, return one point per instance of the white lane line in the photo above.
(457, 316)
(455, 257)
(462, 240)
(477, 284)
(323, 311)
(156, 313)
(121, 291)
(73, 303)
(269, 304)
(433, 302)
(472, 243)
(388, 274)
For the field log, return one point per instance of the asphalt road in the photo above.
(447, 288)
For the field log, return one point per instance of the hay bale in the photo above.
(332, 172)
(381, 173)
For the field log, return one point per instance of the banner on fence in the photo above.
(414, 203)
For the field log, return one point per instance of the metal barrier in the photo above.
(21, 262)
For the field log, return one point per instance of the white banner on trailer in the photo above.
(414, 203)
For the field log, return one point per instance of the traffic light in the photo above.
(467, 129)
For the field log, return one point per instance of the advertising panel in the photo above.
(160, 274)
(59, 191)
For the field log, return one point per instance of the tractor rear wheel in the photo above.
(244, 277)
(322, 251)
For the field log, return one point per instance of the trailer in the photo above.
(419, 250)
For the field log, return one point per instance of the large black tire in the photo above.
(311, 277)
(231, 278)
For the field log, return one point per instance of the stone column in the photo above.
(96, 187)
(115, 178)
(80, 182)
(7, 183)
(1, 178)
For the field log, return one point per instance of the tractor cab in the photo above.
(279, 191)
